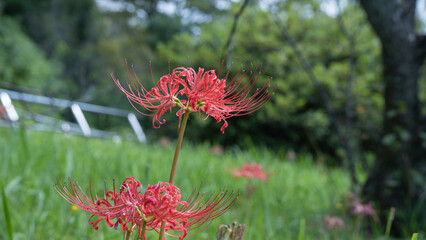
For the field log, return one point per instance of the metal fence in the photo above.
(48, 123)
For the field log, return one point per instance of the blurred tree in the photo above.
(22, 62)
(295, 118)
(399, 174)
(65, 30)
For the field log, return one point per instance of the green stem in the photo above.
(175, 160)
(143, 229)
(302, 229)
(335, 235)
(163, 224)
(178, 145)
(357, 227)
(128, 234)
(389, 222)
(249, 191)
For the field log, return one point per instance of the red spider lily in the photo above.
(333, 222)
(202, 91)
(160, 99)
(121, 206)
(161, 203)
(364, 209)
(249, 171)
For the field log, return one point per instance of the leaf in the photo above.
(7, 214)
(389, 139)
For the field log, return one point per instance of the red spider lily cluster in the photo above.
(251, 170)
(364, 209)
(159, 207)
(202, 91)
(333, 222)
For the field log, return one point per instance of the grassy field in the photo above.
(31, 163)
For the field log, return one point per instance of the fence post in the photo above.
(81, 120)
(77, 109)
(137, 128)
(11, 112)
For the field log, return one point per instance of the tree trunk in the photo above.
(392, 182)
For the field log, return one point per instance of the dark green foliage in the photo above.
(295, 116)
(22, 62)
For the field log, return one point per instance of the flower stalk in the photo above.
(161, 235)
(175, 159)
(143, 229)
(178, 145)
(128, 234)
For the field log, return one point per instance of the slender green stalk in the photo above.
(335, 235)
(302, 229)
(175, 160)
(143, 229)
(248, 210)
(178, 145)
(389, 222)
(357, 227)
(250, 188)
(163, 224)
(414, 236)
(128, 234)
(7, 214)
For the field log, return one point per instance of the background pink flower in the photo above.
(251, 170)
(364, 209)
(333, 222)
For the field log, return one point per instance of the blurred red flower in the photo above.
(251, 170)
(333, 222)
(160, 203)
(364, 209)
(202, 91)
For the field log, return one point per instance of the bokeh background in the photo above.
(349, 96)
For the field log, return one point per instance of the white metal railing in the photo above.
(77, 109)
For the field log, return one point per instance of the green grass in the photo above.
(298, 192)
